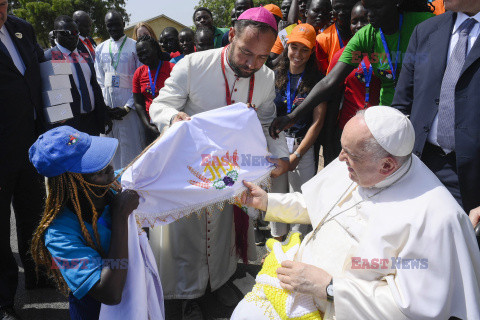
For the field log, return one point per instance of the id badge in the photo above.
(290, 143)
(115, 81)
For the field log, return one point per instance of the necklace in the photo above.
(325, 220)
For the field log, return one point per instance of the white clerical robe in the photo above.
(118, 93)
(431, 262)
(196, 250)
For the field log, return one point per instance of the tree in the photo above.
(221, 9)
(42, 13)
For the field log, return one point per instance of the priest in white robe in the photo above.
(115, 63)
(193, 253)
(389, 240)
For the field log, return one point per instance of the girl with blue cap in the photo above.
(82, 240)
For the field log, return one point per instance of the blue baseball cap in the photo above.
(65, 149)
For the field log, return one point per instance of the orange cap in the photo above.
(303, 33)
(275, 10)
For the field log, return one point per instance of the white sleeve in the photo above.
(361, 299)
(173, 96)
(287, 208)
(99, 70)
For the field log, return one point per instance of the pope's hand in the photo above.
(475, 216)
(255, 197)
(281, 166)
(181, 116)
(304, 278)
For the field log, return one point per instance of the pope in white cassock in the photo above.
(115, 63)
(389, 240)
(194, 252)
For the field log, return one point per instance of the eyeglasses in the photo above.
(66, 32)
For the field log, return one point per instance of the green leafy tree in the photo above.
(42, 13)
(221, 9)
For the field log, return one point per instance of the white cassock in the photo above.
(194, 251)
(431, 266)
(118, 93)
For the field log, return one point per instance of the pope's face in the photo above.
(249, 50)
(363, 168)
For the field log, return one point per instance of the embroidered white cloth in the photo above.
(199, 164)
(142, 296)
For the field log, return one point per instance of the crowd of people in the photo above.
(382, 91)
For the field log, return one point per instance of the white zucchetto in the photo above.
(392, 129)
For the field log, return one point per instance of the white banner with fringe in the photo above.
(199, 164)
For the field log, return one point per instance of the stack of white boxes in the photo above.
(56, 92)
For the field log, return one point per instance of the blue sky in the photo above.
(180, 10)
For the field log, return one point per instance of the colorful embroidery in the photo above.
(386, 73)
(219, 172)
(73, 139)
(150, 91)
(359, 75)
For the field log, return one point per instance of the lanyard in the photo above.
(368, 77)
(154, 83)
(339, 37)
(88, 45)
(115, 64)
(387, 51)
(227, 87)
(289, 93)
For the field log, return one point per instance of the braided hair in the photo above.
(68, 189)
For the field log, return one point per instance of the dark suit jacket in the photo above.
(83, 49)
(418, 93)
(99, 113)
(20, 98)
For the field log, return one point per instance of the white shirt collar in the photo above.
(3, 30)
(461, 17)
(64, 50)
(119, 40)
(81, 37)
(227, 63)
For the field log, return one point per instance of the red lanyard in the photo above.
(227, 87)
(88, 45)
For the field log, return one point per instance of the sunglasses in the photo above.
(66, 33)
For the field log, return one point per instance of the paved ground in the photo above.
(48, 304)
(36, 304)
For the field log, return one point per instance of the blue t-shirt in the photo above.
(80, 265)
(177, 58)
(300, 128)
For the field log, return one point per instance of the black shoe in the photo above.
(8, 313)
(226, 295)
(259, 237)
(191, 310)
(263, 225)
